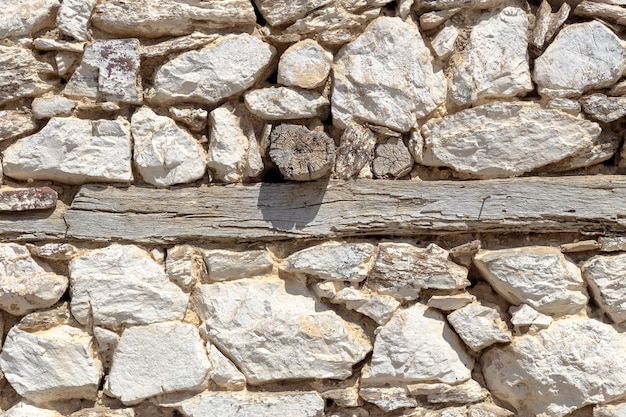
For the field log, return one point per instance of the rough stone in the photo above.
(54, 251)
(356, 149)
(46, 44)
(431, 20)
(547, 23)
(73, 18)
(450, 302)
(64, 62)
(24, 18)
(14, 123)
(581, 246)
(386, 77)
(387, 398)
(464, 254)
(575, 362)
(279, 12)
(535, 275)
(596, 10)
(107, 342)
(109, 71)
(494, 66)
(179, 44)
(282, 333)
(566, 105)
(465, 393)
(159, 358)
(24, 409)
(42, 320)
(305, 64)
(164, 153)
(73, 151)
(463, 4)
(392, 159)
(158, 18)
(45, 108)
(284, 103)
(254, 404)
(301, 154)
(615, 410)
(443, 42)
(604, 275)
(417, 345)
(21, 73)
(504, 139)
(100, 411)
(479, 326)
(526, 319)
(223, 372)
(603, 108)
(332, 19)
(25, 199)
(194, 118)
(612, 243)
(403, 270)
(121, 284)
(601, 149)
(223, 265)
(25, 283)
(220, 70)
(185, 266)
(332, 261)
(583, 56)
(63, 354)
(488, 410)
(379, 308)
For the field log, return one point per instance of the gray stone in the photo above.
(14, 123)
(22, 74)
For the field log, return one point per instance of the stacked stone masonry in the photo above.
(309, 208)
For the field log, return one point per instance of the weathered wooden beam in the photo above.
(31, 226)
(595, 204)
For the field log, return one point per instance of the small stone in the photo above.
(464, 4)
(254, 404)
(220, 70)
(615, 410)
(277, 331)
(183, 43)
(450, 302)
(194, 118)
(21, 73)
(24, 18)
(25, 283)
(443, 42)
(73, 18)
(611, 12)
(618, 89)
(14, 123)
(547, 23)
(305, 64)
(223, 372)
(159, 18)
(582, 246)
(502, 139)
(573, 63)
(494, 63)
(73, 151)
(379, 308)
(107, 343)
(109, 71)
(403, 270)
(488, 410)
(159, 358)
(603, 108)
(164, 153)
(120, 285)
(25, 199)
(464, 254)
(386, 77)
(301, 154)
(279, 12)
(54, 251)
(42, 320)
(479, 326)
(223, 265)
(535, 275)
(328, 289)
(284, 103)
(333, 18)
(392, 159)
(45, 44)
(612, 243)
(65, 62)
(566, 105)
(604, 275)
(465, 393)
(100, 411)
(45, 108)
(417, 345)
(526, 319)
(332, 261)
(430, 20)
(356, 149)
(387, 399)
(185, 266)
(63, 354)
(24, 409)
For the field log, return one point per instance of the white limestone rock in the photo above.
(64, 62)
(223, 372)
(379, 308)
(278, 12)
(25, 409)
(417, 345)
(488, 410)
(254, 404)
(337, 19)
(195, 40)
(220, 70)
(277, 331)
(614, 410)
(504, 139)
(463, 4)
(24, 18)
(605, 275)
(583, 56)
(54, 251)
(55, 364)
(194, 118)
(73, 151)
(305, 64)
(14, 123)
(386, 77)
(494, 63)
(387, 398)
(403, 270)
(26, 284)
(73, 18)
(526, 319)
(164, 153)
(612, 243)
(539, 276)
(465, 393)
(223, 265)
(332, 261)
(22, 74)
(47, 107)
(159, 18)
(121, 284)
(284, 103)
(431, 20)
(107, 342)
(185, 266)
(450, 302)
(443, 43)
(159, 358)
(109, 71)
(601, 149)
(479, 326)
(574, 363)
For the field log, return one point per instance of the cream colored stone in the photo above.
(601, 149)
(107, 342)
(45, 108)
(14, 123)
(22, 74)
(565, 104)
(223, 372)
(387, 398)
(54, 251)
(450, 302)
(465, 393)
(526, 319)
(615, 410)
(100, 411)
(430, 20)
(179, 44)
(604, 109)
(356, 150)
(581, 246)
(488, 410)
(305, 64)
(392, 159)
(379, 308)
(194, 118)
(185, 266)
(73, 18)
(223, 265)
(25, 409)
(612, 243)
(24, 18)
(479, 326)
(333, 18)
(284, 103)
(278, 12)
(604, 275)
(443, 42)
(64, 62)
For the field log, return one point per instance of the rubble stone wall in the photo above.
(128, 127)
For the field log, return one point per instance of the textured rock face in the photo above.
(223, 372)
(479, 326)
(604, 275)
(14, 123)
(218, 71)
(73, 18)
(44, 108)
(305, 64)
(356, 149)
(502, 139)
(282, 103)
(223, 265)
(26, 17)
(262, 345)
(23, 409)
(22, 74)
(386, 77)
(556, 363)
(73, 151)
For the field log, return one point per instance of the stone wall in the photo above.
(308, 208)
